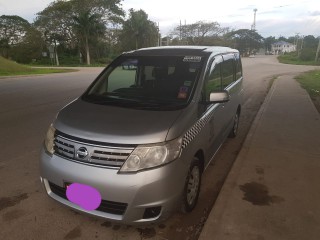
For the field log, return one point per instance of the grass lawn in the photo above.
(311, 82)
(290, 59)
(10, 68)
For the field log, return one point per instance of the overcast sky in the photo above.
(274, 17)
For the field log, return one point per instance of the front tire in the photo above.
(234, 131)
(192, 186)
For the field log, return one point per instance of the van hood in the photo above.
(112, 124)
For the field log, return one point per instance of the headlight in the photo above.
(48, 142)
(149, 156)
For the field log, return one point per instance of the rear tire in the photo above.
(234, 131)
(192, 186)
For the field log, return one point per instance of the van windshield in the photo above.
(147, 82)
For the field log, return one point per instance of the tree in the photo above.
(110, 11)
(267, 43)
(138, 31)
(86, 27)
(197, 33)
(310, 42)
(308, 50)
(62, 21)
(12, 31)
(4, 47)
(13, 28)
(30, 48)
(91, 19)
(318, 50)
(246, 41)
(282, 38)
(292, 39)
(54, 22)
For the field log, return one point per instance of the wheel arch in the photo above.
(200, 155)
(239, 109)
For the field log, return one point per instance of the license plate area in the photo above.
(66, 185)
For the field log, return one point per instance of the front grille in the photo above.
(116, 208)
(110, 157)
(101, 155)
(63, 148)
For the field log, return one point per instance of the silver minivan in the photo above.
(143, 133)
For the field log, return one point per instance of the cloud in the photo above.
(315, 13)
(248, 7)
(288, 27)
(269, 12)
(235, 15)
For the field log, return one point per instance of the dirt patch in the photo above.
(116, 227)
(74, 233)
(146, 233)
(12, 201)
(106, 224)
(259, 170)
(258, 194)
(13, 215)
(162, 226)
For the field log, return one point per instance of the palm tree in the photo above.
(138, 31)
(87, 26)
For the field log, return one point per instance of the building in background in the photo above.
(282, 47)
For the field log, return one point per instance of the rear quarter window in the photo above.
(228, 70)
(238, 66)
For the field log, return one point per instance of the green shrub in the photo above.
(307, 54)
(104, 61)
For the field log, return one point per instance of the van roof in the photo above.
(180, 51)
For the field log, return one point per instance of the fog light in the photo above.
(152, 212)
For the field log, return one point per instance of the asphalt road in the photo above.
(27, 107)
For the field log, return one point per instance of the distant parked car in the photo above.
(129, 65)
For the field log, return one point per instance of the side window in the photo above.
(213, 81)
(227, 70)
(238, 66)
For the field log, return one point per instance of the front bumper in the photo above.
(133, 194)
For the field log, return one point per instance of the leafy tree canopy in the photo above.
(246, 41)
(196, 33)
(13, 28)
(138, 31)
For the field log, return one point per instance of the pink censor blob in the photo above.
(85, 196)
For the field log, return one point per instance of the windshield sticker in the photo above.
(183, 92)
(192, 59)
(183, 89)
(182, 95)
(187, 83)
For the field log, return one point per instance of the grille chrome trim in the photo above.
(93, 143)
(108, 156)
(100, 156)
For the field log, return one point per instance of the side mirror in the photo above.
(219, 97)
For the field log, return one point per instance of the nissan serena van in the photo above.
(143, 133)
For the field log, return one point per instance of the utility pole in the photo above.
(317, 53)
(296, 39)
(253, 26)
(159, 35)
(299, 51)
(180, 31)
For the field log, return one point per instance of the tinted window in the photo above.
(213, 82)
(227, 70)
(238, 66)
